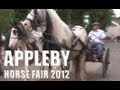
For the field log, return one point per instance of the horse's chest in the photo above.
(31, 40)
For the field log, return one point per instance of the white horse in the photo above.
(25, 40)
(50, 23)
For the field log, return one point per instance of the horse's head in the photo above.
(30, 20)
(16, 34)
(36, 18)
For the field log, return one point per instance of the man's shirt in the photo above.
(97, 36)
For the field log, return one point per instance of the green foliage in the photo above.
(20, 14)
(103, 16)
(69, 16)
(9, 15)
(72, 16)
(5, 16)
(65, 15)
(76, 16)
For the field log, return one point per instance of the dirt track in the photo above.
(95, 69)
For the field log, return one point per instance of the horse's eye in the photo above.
(25, 24)
(14, 32)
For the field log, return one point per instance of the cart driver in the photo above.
(96, 37)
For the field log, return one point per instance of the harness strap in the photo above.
(29, 19)
(74, 37)
(79, 40)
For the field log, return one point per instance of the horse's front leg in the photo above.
(72, 68)
(28, 68)
(82, 75)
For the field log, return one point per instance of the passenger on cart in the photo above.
(95, 38)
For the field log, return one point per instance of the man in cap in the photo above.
(96, 37)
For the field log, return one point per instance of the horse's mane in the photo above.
(60, 30)
(57, 20)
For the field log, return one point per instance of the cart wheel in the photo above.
(106, 61)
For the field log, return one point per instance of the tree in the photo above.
(9, 15)
(20, 14)
(65, 15)
(104, 16)
(69, 16)
(5, 16)
(76, 16)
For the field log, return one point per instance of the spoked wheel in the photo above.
(106, 61)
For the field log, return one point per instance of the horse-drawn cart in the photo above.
(92, 57)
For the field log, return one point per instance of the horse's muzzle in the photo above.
(13, 46)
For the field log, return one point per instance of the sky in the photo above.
(117, 12)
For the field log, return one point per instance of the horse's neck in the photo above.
(29, 38)
(60, 31)
(42, 15)
(36, 35)
(22, 45)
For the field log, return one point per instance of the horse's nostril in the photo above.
(13, 47)
(25, 24)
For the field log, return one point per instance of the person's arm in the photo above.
(103, 36)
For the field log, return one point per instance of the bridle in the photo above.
(36, 22)
(21, 31)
